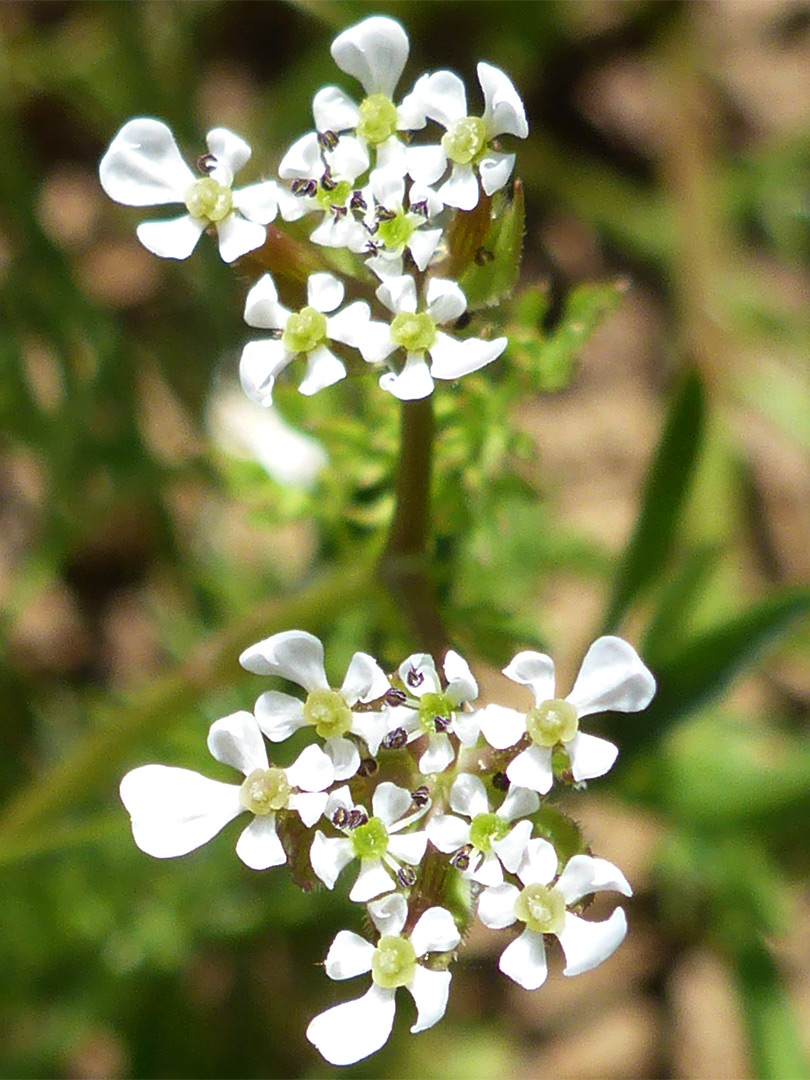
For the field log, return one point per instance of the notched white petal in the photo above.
(350, 1032)
(174, 239)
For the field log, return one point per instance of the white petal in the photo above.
(532, 769)
(365, 680)
(174, 811)
(349, 159)
(375, 344)
(435, 931)
(448, 833)
(411, 113)
(468, 796)
(503, 109)
(143, 166)
(329, 855)
(334, 110)
(430, 990)
(535, 670)
(519, 802)
(372, 727)
(419, 675)
(461, 189)
(302, 160)
(372, 880)
(344, 756)
(539, 863)
(324, 292)
(420, 193)
(461, 684)
(279, 715)
(389, 914)
(588, 944)
(422, 245)
(496, 906)
(584, 875)
(349, 325)
(446, 301)
(612, 677)
(388, 188)
(309, 805)
(438, 756)
(236, 740)
(426, 164)
(398, 294)
(259, 846)
(590, 756)
(453, 359)
(495, 170)
(444, 98)
(502, 727)
(339, 233)
(408, 847)
(323, 369)
(237, 236)
(312, 770)
(350, 1032)
(488, 872)
(349, 955)
(392, 156)
(390, 802)
(174, 239)
(258, 202)
(228, 149)
(525, 960)
(294, 207)
(413, 382)
(512, 848)
(339, 797)
(374, 52)
(467, 727)
(261, 362)
(262, 308)
(292, 654)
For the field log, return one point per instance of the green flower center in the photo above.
(552, 722)
(378, 119)
(209, 200)
(303, 333)
(370, 841)
(393, 963)
(328, 713)
(541, 908)
(336, 196)
(264, 791)
(415, 333)
(396, 232)
(432, 708)
(466, 139)
(484, 829)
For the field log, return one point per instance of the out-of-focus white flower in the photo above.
(143, 167)
(468, 143)
(174, 810)
(298, 656)
(393, 230)
(612, 678)
(377, 841)
(349, 1032)
(489, 838)
(543, 908)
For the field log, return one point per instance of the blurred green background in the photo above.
(653, 479)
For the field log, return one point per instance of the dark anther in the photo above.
(340, 818)
(441, 723)
(483, 256)
(371, 228)
(368, 766)
(372, 248)
(414, 678)
(461, 859)
(357, 202)
(384, 215)
(462, 321)
(275, 334)
(327, 182)
(406, 876)
(420, 208)
(207, 163)
(421, 796)
(395, 739)
(303, 186)
(327, 140)
(339, 211)
(500, 781)
(395, 697)
(357, 817)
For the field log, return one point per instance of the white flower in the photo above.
(486, 841)
(349, 1032)
(416, 332)
(393, 229)
(306, 332)
(174, 810)
(612, 677)
(143, 167)
(298, 656)
(544, 910)
(372, 840)
(467, 145)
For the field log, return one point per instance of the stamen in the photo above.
(421, 796)
(396, 697)
(327, 140)
(207, 163)
(414, 678)
(368, 767)
(406, 876)
(395, 739)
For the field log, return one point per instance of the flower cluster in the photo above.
(367, 188)
(464, 820)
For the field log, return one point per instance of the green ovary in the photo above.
(337, 196)
(328, 713)
(378, 119)
(303, 333)
(397, 232)
(541, 908)
(552, 722)
(431, 708)
(370, 841)
(264, 791)
(393, 963)
(464, 142)
(415, 333)
(484, 829)
(208, 200)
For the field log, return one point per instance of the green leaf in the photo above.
(664, 497)
(586, 307)
(494, 274)
(676, 602)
